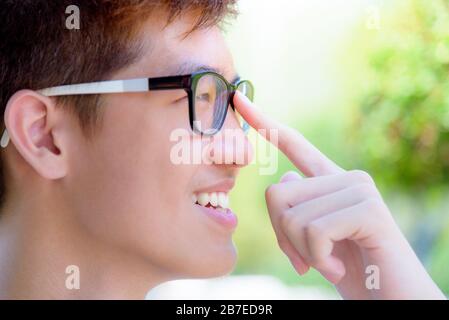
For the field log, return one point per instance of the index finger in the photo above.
(304, 155)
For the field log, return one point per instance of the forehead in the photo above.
(171, 50)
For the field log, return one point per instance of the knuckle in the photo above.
(313, 234)
(366, 190)
(362, 176)
(312, 231)
(374, 205)
(293, 224)
(270, 192)
(288, 221)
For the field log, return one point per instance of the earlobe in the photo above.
(30, 119)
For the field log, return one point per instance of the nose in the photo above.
(231, 145)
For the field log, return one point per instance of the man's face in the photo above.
(126, 190)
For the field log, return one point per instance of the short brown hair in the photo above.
(38, 51)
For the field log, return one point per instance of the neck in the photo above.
(38, 244)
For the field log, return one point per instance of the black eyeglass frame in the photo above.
(190, 83)
(187, 82)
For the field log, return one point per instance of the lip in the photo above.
(227, 220)
(222, 186)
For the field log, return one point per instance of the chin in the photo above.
(217, 264)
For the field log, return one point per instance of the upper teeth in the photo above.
(216, 199)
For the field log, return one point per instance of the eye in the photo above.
(203, 97)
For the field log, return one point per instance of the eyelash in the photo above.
(181, 99)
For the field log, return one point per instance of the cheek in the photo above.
(137, 181)
(134, 152)
(127, 190)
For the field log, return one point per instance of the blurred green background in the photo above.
(367, 82)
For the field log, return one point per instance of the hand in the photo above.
(336, 221)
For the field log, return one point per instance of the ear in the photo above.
(33, 122)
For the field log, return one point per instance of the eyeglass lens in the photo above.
(211, 103)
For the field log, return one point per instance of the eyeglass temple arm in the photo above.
(5, 139)
(102, 87)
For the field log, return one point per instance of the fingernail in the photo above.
(333, 277)
(299, 267)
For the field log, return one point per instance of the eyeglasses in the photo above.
(209, 94)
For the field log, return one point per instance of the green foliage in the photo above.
(398, 127)
(400, 130)
(402, 119)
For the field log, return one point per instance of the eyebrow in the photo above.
(192, 67)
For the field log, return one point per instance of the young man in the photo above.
(89, 183)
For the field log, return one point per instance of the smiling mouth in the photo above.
(215, 200)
